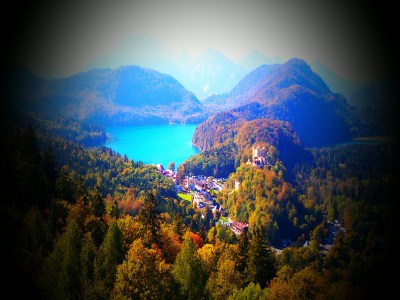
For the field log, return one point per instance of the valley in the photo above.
(250, 189)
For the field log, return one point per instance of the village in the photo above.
(202, 191)
(202, 188)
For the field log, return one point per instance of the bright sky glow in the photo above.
(61, 39)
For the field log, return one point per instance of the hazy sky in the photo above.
(60, 39)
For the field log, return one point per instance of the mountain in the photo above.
(290, 92)
(272, 83)
(211, 73)
(140, 50)
(128, 95)
(254, 59)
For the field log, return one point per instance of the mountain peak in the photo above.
(291, 92)
(212, 54)
(299, 63)
(255, 58)
(306, 76)
(213, 51)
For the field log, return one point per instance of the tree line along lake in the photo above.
(161, 144)
(153, 144)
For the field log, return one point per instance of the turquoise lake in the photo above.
(156, 144)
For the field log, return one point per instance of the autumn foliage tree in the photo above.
(143, 275)
(226, 277)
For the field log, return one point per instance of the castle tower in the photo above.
(259, 154)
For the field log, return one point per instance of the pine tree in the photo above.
(110, 254)
(80, 190)
(243, 251)
(96, 203)
(188, 271)
(149, 217)
(88, 255)
(115, 210)
(178, 225)
(60, 277)
(208, 217)
(261, 262)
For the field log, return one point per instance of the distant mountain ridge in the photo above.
(269, 83)
(209, 74)
(128, 95)
(289, 92)
(254, 59)
(134, 95)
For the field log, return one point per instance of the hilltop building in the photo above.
(239, 227)
(237, 184)
(259, 156)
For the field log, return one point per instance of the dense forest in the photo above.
(88, 223)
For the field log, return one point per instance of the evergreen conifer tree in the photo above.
(110, 254)
(261, 262)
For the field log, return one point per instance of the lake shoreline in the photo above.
(153, 144)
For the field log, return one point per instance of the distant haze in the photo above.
(58, 39)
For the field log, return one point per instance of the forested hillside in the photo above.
(94, 224)
(128, 95)
(292, 92)
(227, 138)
